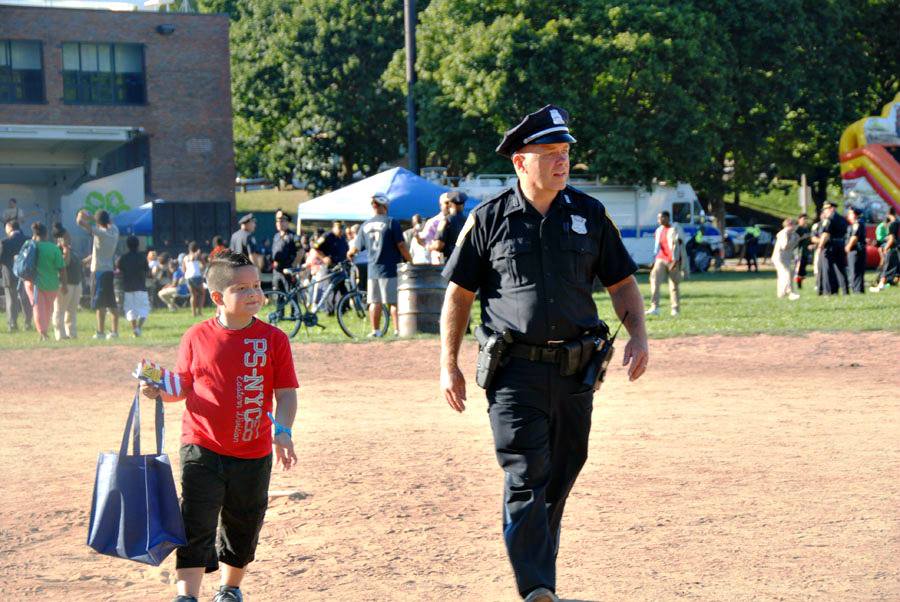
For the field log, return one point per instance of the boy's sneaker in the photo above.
(185, 599)
(229, 594)
(137, 331)
(112, 335)
(98, 336)
(653, 311)
(374, 335)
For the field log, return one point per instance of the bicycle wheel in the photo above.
(353, 316)
(281, 311)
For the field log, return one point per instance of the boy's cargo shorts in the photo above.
(213, 485)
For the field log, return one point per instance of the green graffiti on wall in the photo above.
(112, 201)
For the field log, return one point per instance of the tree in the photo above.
(306, 88)
(640, 83)
(342, 117)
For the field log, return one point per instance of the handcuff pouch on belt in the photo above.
(492, 347)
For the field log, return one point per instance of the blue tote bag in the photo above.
(135, 513)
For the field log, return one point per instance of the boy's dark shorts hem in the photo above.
(214, 486)
(103, 293)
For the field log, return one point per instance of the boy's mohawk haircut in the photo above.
(221, 268)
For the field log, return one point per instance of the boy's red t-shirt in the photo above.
(229, 377)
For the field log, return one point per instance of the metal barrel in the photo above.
(420, 295)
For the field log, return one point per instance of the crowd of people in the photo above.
(835, 247)
(134, 282)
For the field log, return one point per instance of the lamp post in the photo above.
(409, 21)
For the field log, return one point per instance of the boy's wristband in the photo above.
(279, 428)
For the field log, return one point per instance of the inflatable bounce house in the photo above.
(870, 165)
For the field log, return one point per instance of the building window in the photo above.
(21, 71)
(111, 74)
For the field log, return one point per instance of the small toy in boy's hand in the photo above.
(156, 375)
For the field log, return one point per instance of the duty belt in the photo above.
(548, 354)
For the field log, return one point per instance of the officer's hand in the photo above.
(453, 385)
(637, 353)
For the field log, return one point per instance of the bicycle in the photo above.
(300, 304)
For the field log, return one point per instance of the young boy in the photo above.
(230, 367)
(134, 269)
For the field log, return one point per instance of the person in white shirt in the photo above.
(783, 259)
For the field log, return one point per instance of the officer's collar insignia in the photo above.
(579, 224)
(568, 200)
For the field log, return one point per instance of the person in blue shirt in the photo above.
(382, 237)
(176, 288)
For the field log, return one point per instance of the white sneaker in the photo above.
(541, 594)
(674, 313)
(374, 335)
(112, 335)
(793, 296)
(98, 336)
(875, 289)
(653, 311)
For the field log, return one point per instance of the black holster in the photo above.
(595, 369)
(492, 347)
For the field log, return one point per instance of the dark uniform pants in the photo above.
(834, 270)
(856, 271)
(541, 422)
(16, 299)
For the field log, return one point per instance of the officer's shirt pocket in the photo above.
(579, 253)
(515, 261)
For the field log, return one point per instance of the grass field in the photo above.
(270, 200)
(729, 303)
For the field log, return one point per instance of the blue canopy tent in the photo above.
(136, 221)
(409, 194)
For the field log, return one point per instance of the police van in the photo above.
(632, 208)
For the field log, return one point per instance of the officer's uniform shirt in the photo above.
(284, 249)
(535, 273)
(244, 242)
(857, 229)
(836, 227)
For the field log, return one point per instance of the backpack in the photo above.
(25, 263)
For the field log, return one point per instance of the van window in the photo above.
(681, 213)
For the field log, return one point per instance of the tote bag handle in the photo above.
(134, 421)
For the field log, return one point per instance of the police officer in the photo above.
(532, 253)
(856, 250)
(833, 277)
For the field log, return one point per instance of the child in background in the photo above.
(65, 307)
(134, 269)
(193, 273)
(230, 367)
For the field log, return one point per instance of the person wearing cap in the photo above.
(382, 237)
(532, 252)
(449, 229)
(890, 262)
(244, 242)
(432, 225)
(285, 246)
(856, 250)
(833, 275)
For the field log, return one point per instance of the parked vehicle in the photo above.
(632, 208)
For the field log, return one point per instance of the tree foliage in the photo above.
(725, 94)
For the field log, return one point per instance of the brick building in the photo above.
(102, 107)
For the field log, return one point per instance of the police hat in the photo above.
(547, 126)
(247, 218)
(829, 204)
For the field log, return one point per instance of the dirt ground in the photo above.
(762, 468)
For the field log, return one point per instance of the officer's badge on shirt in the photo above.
(579, 224)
